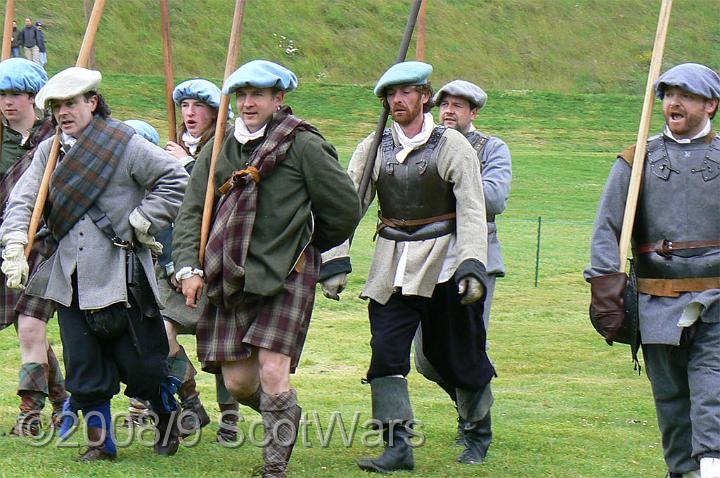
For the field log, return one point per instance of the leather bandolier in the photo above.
(415, 202)
(478, 141)
(676, 241)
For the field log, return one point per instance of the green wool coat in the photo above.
(12, 150)
(308, 199)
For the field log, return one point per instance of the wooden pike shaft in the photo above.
(85, 48)
(230, 64)
(169, 74)
(370, 162)
(7, 29)
(420, 42)
(641, 144)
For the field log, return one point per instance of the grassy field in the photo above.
(566, 403)
(550, 45)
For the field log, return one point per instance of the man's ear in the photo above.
(473, 113)
(93, 102)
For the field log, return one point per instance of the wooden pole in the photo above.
(85, 49)
(230, 64)
(88, 5)
(370, 162)
(169, 75)
(420, 42)
(641, 144)
(7, 29)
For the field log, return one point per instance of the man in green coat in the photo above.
(284, 200)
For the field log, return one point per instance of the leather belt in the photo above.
(664, 247)
(674, 287)
(390, 222)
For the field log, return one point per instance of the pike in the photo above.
(404, 44)
(641, 143)
(230, 63)
(7, 29)
(82, 60)
(169, 74)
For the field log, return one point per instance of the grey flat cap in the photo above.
(692, 77)
(472, 92)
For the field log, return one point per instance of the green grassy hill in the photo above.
(567, 405)
(550, 45)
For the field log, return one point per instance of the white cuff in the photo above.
(187, 272)
(17, 237)
(138, 221)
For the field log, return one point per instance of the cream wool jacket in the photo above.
(457, 164)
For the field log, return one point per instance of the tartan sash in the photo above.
(84, 173)
(12, 176)
(229, 238)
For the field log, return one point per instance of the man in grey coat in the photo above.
(459, 103)
(676, 250)
(110, 192)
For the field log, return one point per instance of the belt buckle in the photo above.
(117, 241)
(664, 248)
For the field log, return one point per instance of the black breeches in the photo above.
(95, 367)
(453, 337)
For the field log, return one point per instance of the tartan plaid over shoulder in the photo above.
(229, 238)
(84, 173)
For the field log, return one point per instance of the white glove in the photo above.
(141, 227)
(333, 285)
(15, 265)
(710, 467)
(470, 289)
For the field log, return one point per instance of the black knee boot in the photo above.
(477, 437)
(474, 411)
(391, 407)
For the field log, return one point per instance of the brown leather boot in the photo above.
(281, 418)
(193, 415)
(229, 416)
(95, 452)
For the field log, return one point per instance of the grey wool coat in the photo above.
(147, 178)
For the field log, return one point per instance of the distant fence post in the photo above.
(537, 252)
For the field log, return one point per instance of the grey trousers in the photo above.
(470, 406)
(685, 381)
(32, 54)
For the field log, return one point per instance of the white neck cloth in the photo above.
(191, 142)
(242, 133)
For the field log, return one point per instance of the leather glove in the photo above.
(15, 265)
(334, 285)
(607, 304)
(470, 289)
(141, 227)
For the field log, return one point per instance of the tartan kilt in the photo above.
(16, 302)
(278, 323)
